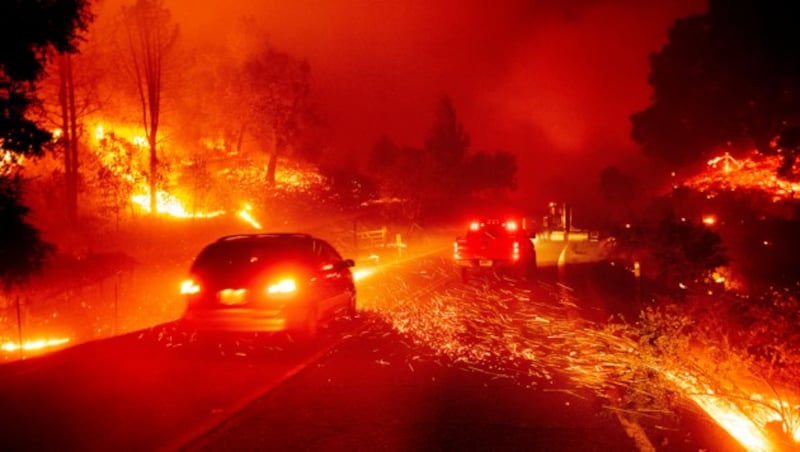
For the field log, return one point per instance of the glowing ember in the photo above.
(38, 344)
(754, 173)
(248, 217)
(709, 220)
(527, 334)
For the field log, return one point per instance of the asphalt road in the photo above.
(414, 371)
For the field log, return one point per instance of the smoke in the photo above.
(552, 82)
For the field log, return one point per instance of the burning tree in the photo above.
(150, 36)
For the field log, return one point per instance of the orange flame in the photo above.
(37, 344)
(170, 205)
(754, 172)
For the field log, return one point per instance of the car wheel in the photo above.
(351, 307)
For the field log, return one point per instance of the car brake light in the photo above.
(515, 252)
(283, 286)
(474, 226)
(189, 287)
(511, 226)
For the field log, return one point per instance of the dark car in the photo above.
(268, 282)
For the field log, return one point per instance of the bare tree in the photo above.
(151, 36)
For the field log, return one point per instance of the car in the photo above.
(496, 244)
(268, 282)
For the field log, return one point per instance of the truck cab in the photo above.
(496, 244)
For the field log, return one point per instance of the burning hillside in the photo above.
(754, 173)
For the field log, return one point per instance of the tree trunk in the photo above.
(271, 167)
(153, 177)
(273, 161)
(66, 97)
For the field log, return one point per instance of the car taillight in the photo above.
(512, 226)
(189, 287)
(455, 250)
(515, 252)
(283, 286)
(474, 226)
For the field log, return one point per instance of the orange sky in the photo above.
(551, 81)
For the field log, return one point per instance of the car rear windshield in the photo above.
(251, 254)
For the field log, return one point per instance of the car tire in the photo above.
(351, 309)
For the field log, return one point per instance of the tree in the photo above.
(447, 146)
(150, 36)
(25, 253)
(31, 32)
(490, 171)
(279, 87)
(445, 173)
(728, 78)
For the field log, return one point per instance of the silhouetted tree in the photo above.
(30, 33)
(22, 250)
(489, 171)
(730, 77)
(447, 146)
(150, 36)
(279, 87)
(444, 174)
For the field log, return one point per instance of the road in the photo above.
(429, 364)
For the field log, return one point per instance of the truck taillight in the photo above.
(511, 226)
(455, 250)
(515, 252)
(474, 226)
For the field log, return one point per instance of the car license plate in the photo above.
(485, 263)
(232, 297)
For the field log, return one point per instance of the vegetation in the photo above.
(442, 176)
(31, 33)
(728, 79)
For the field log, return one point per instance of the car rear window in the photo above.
(251, 254)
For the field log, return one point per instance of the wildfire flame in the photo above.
(32, 345)
(170, 205)
(754, 172)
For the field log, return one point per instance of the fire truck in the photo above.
(496, 244)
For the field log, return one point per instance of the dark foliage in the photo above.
(729, 78)
(22, 251)
(672, 251)
(30, 32)
(445, 175)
